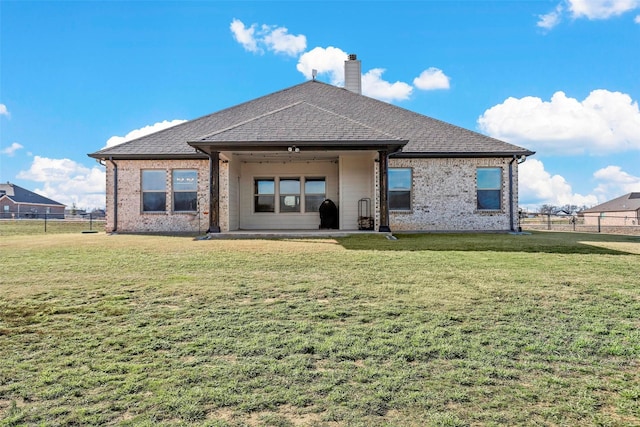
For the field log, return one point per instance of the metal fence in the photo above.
(30, 215)
(626, 226)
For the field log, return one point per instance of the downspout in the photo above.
(511, 210)
(115, 195)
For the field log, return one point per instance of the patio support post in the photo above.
(214, 192)
(383, 178)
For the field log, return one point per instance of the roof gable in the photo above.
(22, 195)
(315, 110)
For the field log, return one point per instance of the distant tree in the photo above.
(569, 209)
(549, 209)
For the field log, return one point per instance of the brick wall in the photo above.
(130, 216)
(444, 196)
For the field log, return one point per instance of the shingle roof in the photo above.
(315, 111)
(628, 202)
(22, 195)
(301, 121)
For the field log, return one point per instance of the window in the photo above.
(314, 193)
(185, 190)
(264, 195)
(154, 195)
(489, 185)
(6, 208)
(289, 194)
(400, 189)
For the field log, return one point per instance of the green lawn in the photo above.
(427, 330)
(51, 226)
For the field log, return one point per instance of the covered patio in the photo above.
(347, 159)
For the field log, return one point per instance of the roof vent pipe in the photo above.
(353, 74)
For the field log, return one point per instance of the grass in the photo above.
(428, 330)
(23, 227)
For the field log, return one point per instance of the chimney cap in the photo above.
(352, 57)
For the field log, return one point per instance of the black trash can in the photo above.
(328, 215)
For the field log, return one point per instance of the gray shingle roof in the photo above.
(315, 111)
(22, 195)
(301, 121)
(628, 202)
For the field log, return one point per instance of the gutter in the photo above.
(100, 156)
(458, 154)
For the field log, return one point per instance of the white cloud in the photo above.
(273, 38)
(432, 78)
(637, 20)
(279, 41)
(375, 87)
(551, 19)
(11, 150)
(3, 110)
(590, 9)
(601, 9)
(146, 130)
(604, 122)
(328, 61)
(614, 182)
(245, 36)
(538, 187)
(67, 181)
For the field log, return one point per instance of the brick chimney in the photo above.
(353, 74)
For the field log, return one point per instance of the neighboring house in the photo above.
(267, 164)
(74, 212)
(17, 202)
(622, 211)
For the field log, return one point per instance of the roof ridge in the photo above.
(362, 114)
(342, 116)
(19, 196)
(315, 110)
(244, 122)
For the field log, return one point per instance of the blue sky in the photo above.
(559, 77)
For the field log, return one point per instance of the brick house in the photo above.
(17, 202)
(621, 211)
(268, 163)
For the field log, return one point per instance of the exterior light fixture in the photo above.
(293, 149)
